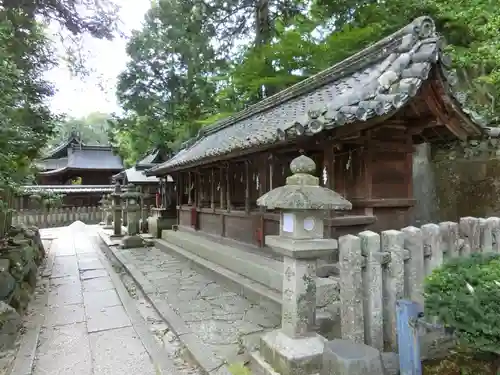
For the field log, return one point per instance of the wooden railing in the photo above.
(58, 217)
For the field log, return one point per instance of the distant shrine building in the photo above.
(82, 173)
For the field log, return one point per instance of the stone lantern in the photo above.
(144, 212)
(133, 210)
(108, 222)
(124, 208)
(117, 211)
(295, 348)
(102, 204)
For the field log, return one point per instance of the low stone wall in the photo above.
(376, 270)
(58, 217)
(20, 257)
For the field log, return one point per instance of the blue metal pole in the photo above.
(407, 313)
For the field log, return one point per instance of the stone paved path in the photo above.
(218, 318)
(90, 323)
(86, 329)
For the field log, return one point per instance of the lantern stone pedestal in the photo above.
(132, 239)
(117, 212)
(161, 219)
(296, 349)
(109, 213)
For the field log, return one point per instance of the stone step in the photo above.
(263, 270)
(235, 250)
(266, 271)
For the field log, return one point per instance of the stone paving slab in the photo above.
(211, 319)
(64, 350)
(119, 351)
(106, 318)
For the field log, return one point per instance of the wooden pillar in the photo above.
(229, 179)
(199, 188)
(212, 189)
(329, 164)
(263, 178)
(222, 189)
(190, 184)
(368, 170)
(248, 179)
(409, 168)
(271, 162)
(180, 188)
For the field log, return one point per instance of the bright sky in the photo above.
(78, 97)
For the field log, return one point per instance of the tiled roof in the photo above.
(138, 176)
(374, 82)
(93, 157)
(85, 157)
(135, 176)
(64, 189)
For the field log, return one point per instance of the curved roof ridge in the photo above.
(421, 26)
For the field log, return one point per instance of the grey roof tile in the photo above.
(94, 158)
(374, 82)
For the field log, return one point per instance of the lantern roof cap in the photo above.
(303, 192)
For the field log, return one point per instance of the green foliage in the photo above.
(464, 294)
(93, 129)
(25, 120)
(46, 199)
(239, 369)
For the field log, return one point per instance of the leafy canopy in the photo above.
(194, 62)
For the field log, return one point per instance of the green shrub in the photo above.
(239, 369)
(464, 294)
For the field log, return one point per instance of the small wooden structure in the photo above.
(358, 120)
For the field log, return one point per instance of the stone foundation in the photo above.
(19, 261)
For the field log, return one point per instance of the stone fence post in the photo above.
(375, 271)
(303, 204)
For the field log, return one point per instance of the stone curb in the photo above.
(201, 353)
(162, 363)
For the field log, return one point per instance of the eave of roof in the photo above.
(375, 82)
